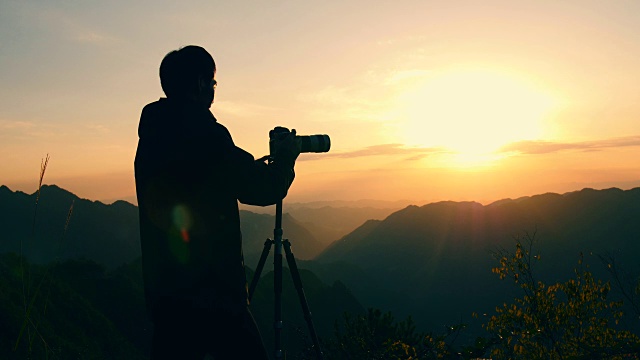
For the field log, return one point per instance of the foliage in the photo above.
(627, 283)
(64, 323)
(377, 335)
(571, 319)
(373, 335)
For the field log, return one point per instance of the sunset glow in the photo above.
(415, 95)
(472, 112)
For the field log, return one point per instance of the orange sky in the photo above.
(423, 100)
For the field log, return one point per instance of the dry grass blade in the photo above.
(43, 168)
(26, 285)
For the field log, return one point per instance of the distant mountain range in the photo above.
(332, 223)
(328, 221)
(351, 204)
(110, 234)
(107, 234)
(256, 228)
(95, 294)
(433, 262)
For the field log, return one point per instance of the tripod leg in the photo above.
(297, 281)
(263, 259)
(277, 292)
(277, 282)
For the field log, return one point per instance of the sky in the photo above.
(423, 100)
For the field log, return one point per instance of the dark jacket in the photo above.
(189, 178)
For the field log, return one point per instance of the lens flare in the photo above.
(182, 221)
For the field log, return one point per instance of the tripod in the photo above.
(277, 283)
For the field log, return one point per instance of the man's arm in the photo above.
(259, 183)
(256, 182)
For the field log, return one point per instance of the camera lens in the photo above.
(314, 143)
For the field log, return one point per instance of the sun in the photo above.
(471, 113)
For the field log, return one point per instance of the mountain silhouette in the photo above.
(329, 223)
(107, 234)
(256, 228)
(110, 234)
(434, 262)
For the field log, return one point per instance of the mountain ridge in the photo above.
(109, 233)
(442, 250)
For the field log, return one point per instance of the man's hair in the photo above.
(180, 69)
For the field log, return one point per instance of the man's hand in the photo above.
(287, 147)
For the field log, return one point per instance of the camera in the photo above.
(308, 143)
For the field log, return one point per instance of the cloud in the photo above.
(243, 109)
(66, 25)
(92, 37)
(19, 130)
(535, 147)
(97, 128)
(16, 124)
(404, 75)
(12, 131)
(364, 99)
(414, 153)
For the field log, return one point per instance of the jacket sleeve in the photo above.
(258, 183)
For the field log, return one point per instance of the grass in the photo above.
(28, 298)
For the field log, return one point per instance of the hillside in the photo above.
(94, 305)
(71, 320)
(110, 234)
(256, 228)
(107, 234)
(329, 221)
(434, 261)
(93, 313)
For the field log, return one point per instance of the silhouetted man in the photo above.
(189, 178)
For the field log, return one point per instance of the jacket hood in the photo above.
(171, 118)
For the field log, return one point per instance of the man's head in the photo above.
(189, 73)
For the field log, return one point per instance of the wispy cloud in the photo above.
(243, 109)
(404, 75)
(65, 25)
(20, 130)
(534, 147)
(98, 128)
(413, 153)
(92, 37)
(363, 99)
(16, 125)
(332, 95)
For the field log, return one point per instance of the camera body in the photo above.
(308, 143)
